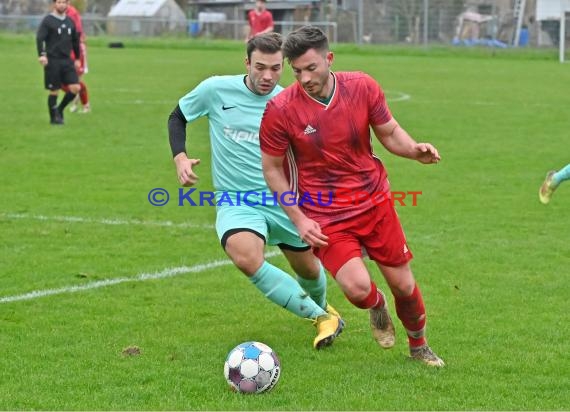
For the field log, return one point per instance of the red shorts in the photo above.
(378, 231)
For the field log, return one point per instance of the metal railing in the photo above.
(434, 26)
(149, 27)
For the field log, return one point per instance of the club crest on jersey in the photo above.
(309, 129)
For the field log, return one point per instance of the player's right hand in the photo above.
(43, 60)
(186, 175)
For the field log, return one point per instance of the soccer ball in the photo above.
(252, 367)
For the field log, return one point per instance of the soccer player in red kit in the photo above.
(260, 20)
(83, 94)
(321, 123)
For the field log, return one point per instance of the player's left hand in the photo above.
(310, 232)
(426, 153)
(77, 64)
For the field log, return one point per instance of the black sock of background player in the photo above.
(65, 101)
(52, 104)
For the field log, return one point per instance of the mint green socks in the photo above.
(561, 175)
(285, 291)
(317, 288)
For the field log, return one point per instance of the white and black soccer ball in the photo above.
(252, 367)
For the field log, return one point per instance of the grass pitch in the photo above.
(88, 267)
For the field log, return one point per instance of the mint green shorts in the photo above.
(268, 222)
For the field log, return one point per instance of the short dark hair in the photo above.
(299, 41)
(268, 43)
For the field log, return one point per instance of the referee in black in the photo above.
(55, 39)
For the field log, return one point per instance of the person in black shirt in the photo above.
(55, 39)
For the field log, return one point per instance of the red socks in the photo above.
(412, 313)
(373, 300)
(410, 309)
(83, 95)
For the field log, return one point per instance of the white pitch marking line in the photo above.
(105, 221)
(399, 96)
(166, 273)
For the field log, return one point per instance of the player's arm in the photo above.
(75, 35)
(177, 138)
(309, 230)
(41, 37)
(79, 25)
(397, 141)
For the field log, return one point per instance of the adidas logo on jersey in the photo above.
(309, 129)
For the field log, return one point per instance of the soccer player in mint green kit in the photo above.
(234, 106)
(551, 183)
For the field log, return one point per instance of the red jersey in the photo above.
(330, 146)
(73, 14)
(259, 21)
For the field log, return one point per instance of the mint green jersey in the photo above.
(234, 113)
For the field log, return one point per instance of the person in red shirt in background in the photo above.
(260, 20)
(83, 95)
